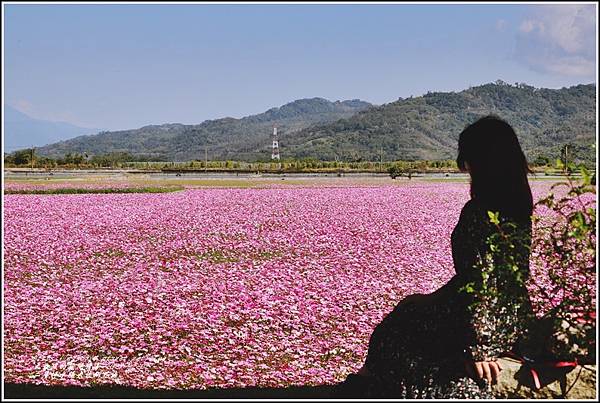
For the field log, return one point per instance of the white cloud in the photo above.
(559, 39)
(529, 25)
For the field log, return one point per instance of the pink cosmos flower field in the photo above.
(212, 288)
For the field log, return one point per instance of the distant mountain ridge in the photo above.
(427, 127)
(226, 138)
(23, 131)
(414, 128)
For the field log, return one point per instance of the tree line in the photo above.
(123, 160)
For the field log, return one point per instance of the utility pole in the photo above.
(205, 159)
(381, 160)
(566, 158)
(31, 158)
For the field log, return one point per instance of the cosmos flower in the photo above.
(212, 288)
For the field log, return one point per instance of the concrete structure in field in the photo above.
(275, 153)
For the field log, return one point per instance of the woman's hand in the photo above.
(489, 370)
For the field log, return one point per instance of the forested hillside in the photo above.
(248, 138)
(427, 127)
(416, 128)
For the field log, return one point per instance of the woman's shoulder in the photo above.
(474, 208)
(475, 215)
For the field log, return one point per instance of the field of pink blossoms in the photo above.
(215, 287)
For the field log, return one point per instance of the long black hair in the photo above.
(498, 167)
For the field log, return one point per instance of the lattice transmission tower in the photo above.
(275, 152)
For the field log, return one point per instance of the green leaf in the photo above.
(494, 217)
(468, 288)
(586, 176)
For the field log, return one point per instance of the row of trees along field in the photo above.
(122, 160)
(23, 158)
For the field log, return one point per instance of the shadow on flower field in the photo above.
(31, 391)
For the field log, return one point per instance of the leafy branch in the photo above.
(552, 308)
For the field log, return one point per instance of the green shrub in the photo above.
(558, 310)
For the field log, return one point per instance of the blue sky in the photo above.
(120, 66)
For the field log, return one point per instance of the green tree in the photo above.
(541, 160)
(395, 171)
(22, 157)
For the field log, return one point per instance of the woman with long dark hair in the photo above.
(434, 345)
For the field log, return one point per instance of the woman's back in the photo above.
(420, 349)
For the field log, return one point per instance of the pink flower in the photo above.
(216, 287)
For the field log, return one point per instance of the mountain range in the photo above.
(415, 128)
(248, 138)
(23, 131)
(427, 127)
